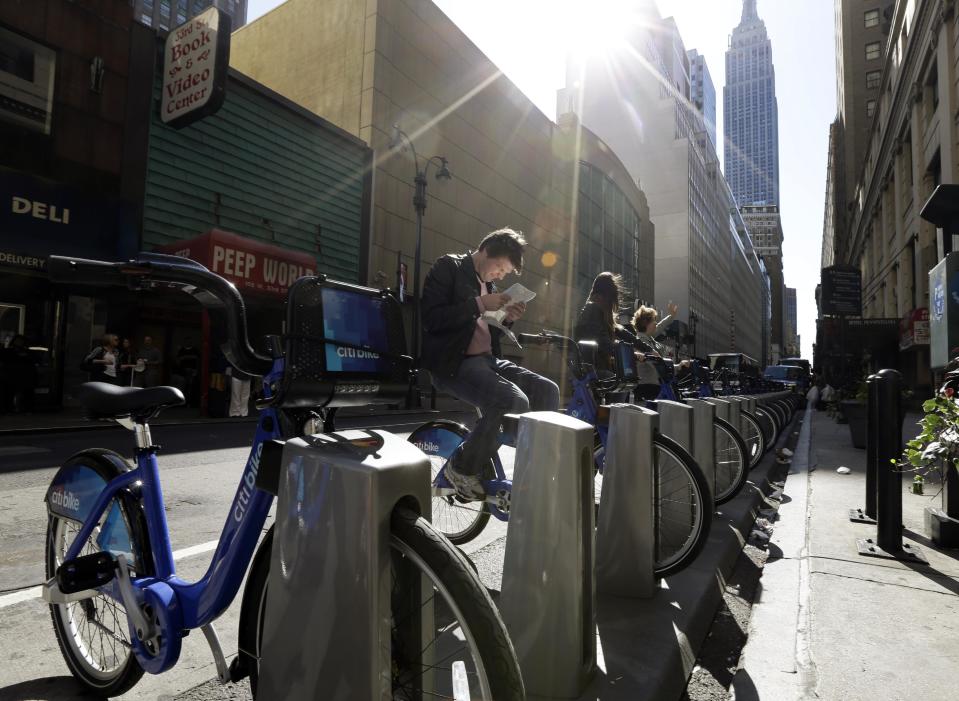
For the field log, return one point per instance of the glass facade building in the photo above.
(751, 113)
(609, 236)
(165, 14)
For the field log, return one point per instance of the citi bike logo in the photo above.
(356, 353)
(65, 499)
(248, 485)
(427, 447)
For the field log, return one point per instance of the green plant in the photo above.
(937, 445)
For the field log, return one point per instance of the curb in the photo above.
(106, 424)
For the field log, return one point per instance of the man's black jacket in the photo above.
(449, 312)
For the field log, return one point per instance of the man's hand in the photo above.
(672, 308)
(515, 311)
(640, 356)
(494, 302)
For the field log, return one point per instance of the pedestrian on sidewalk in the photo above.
(126, 361)
(101, 362)
(153, 359)
(19, 376)
(239, 392)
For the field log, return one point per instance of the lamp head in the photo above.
(444, 172)
(395, 138)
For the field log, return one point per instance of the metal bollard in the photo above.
(704, 438)
(625, 546)
(327, 624)
(735, 410)
(548, 600)
(722, 406)
(868, 513)
(888, 541)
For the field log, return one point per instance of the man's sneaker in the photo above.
(468, 487)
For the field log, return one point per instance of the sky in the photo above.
(528, 40)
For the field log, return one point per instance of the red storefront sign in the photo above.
(253, 266)
(914, 328)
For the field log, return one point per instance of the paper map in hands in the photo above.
(516, 293)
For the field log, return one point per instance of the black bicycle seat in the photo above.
(110, 401)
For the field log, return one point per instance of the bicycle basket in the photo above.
(345, 346)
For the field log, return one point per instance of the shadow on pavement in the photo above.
(45, 689)
(743, 687)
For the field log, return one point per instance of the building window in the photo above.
(872, 79)
(870, 108)
(872, 50)
(872, 18)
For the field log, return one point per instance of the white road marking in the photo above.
(34, 592)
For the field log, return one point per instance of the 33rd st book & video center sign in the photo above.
(841, 291)
(196, 57)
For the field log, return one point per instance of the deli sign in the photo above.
(196, 57)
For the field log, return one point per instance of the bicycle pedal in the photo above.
(86, 572)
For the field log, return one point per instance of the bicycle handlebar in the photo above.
(218, 296)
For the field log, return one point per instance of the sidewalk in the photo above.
(830, 624)
(74, 419)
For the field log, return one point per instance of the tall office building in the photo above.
(862, 29)
(164, 14)
(636, 97)
(750, 113)
(751, 146)
(791, 330)
(702, 92)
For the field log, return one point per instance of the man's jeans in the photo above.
(496, 387)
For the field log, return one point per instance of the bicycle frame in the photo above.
(197, 603)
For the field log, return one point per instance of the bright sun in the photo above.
(595, 27)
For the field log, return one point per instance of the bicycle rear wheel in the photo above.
(753, 437)
(732, 464)
(460, 521)
(682, 506)
(93, 634)
(466, 624)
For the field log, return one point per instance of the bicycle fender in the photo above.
(75, 487)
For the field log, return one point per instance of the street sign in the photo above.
(944, 310)
(196, 57)
(841, 291)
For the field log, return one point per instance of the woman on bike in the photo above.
(597, 319)
(646, 322)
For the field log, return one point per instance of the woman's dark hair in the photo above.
(606, 291)
(505, 243)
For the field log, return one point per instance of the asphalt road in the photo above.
(200, 467)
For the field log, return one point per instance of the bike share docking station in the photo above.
(327, 628)
(625, 529)
(691, 425)
(548, 598)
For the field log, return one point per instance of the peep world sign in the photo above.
(196, 57)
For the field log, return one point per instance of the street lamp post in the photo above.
(419, 204)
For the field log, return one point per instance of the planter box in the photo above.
(855, 414)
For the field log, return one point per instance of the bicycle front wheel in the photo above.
(460, 521)
(731, 461)
(682, 506)
(466, 626)
(93, 633)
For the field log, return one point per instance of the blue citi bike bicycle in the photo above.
(681, 502)
(118, 607)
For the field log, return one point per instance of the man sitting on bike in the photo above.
(462, 351)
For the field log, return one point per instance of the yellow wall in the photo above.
(403, 61)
